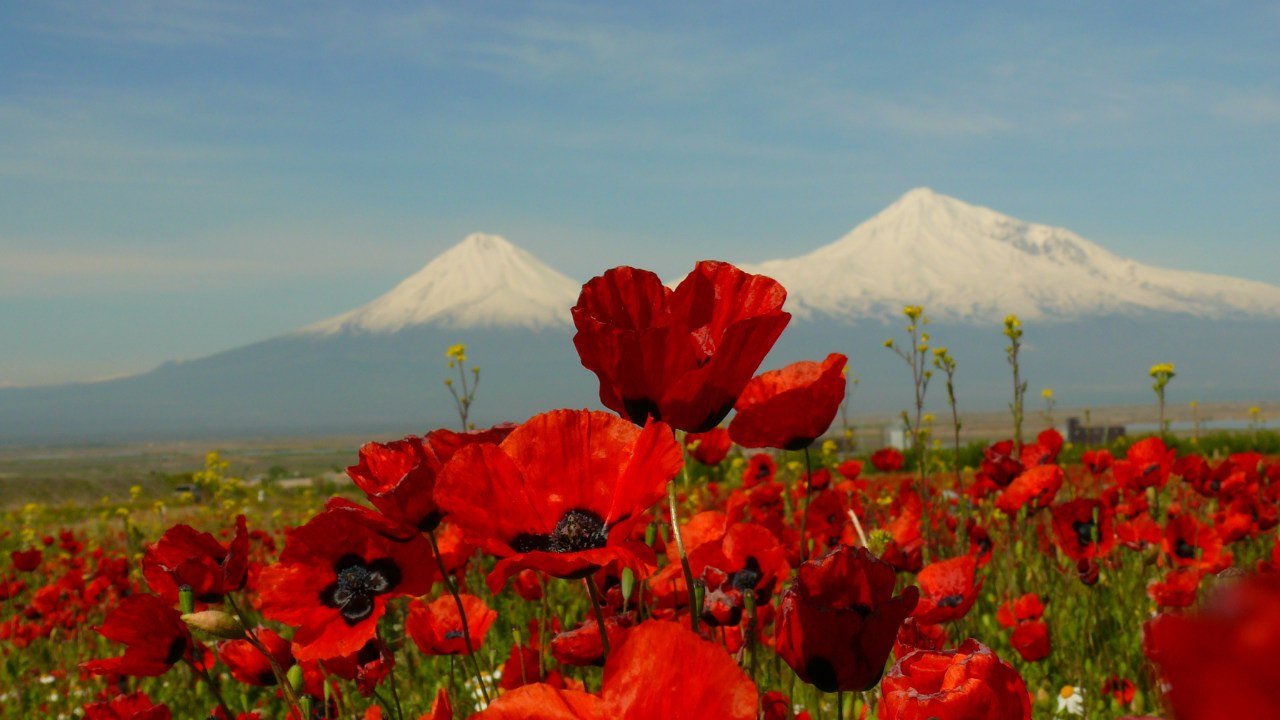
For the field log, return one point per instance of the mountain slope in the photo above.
(971, 264)
(483, 281)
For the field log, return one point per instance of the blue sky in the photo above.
(178, 178)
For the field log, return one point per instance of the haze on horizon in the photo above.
(179, 180)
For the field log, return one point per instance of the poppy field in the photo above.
(709, 546)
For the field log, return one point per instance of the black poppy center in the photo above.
(358, 583)
(577, 530)
(749, 576)
(762, 472)
(1184, 549)
(177, 649)
(951, 600)
(822, 673)
(1084, 532)
(984, 544)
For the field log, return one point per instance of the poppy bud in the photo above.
(295, 678)
(628, 584)
(186, 600)
(216, 623)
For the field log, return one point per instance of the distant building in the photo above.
(1079, 434)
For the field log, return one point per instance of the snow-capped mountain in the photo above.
(482, 282)
(971, 264)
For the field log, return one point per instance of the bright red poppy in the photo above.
(838, 622)
(1033, 489)
(399, 477)
(1214, 661)
(887, 460)
(761, 468)
(791, 407)
(249, 665)
(1147, 464)
(709, 448)
(1031, 640)
(969, 683)
(336, 574)
(1189, 543)
(680, 356)
(1084, 529)
(562, 493)
(134, 706)
(154, 636)
(948, 589)
(186, 556)
(436, 627)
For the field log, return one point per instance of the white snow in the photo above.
(483, 281)
(971, 264)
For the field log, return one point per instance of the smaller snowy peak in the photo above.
(482, 282)
(973, 264)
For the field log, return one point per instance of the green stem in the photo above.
(684, 557)
(594, 592)
(462, 614)
(804, 514)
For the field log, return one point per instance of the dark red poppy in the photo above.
(1034, 489)
(837, 623)
(186, 556)
(905, 551)
(337, 573)
(366, 667)
(152, 632)
(680, 356)
(1000, 465)
(134, 706)
(399, 477)
(436, 627)
(1177, 589)
(1031, 640)
(1084, 529)
(887, 460)
(1214, 661)
(850, 469)
(761, 468)
(26, 560)
(249, 665)
(980, 543)
(709, 448)
(791, 407)
(562, 493)
(948, 589)
(915, 636)
(969, 683)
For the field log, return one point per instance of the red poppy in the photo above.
(837, 623)
(791, 407)
(152, 632)
(980, 543)
(367, 667)
(970, 683)
(761, 468)
(947, 589)
(1178, 589)
(249, 665)
(999, 464)
(399, 477)
(186, 556)
(436, 627)
(680, 356)
(1119, 688)
(1035, 488)
(850, 469)
(1044, 451)
(134, 706)
(1189, 543)
(543, 702)
(1026, 608)
(1097, 461)
(1214, 661)
(562, 493)
(337, 573)
(1147, 464)
(1031, 640)
(887, 460)
(26, 560)
(710, 447)
(581, 646)
(915, 636)
(1084, 529)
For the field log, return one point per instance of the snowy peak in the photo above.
(972, 264)
(483, 281)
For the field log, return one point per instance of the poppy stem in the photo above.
(839, 705)
(684, 557)
(282, 678)
(462, 614)
(203, 674)
(804, 514)
(594, 593)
